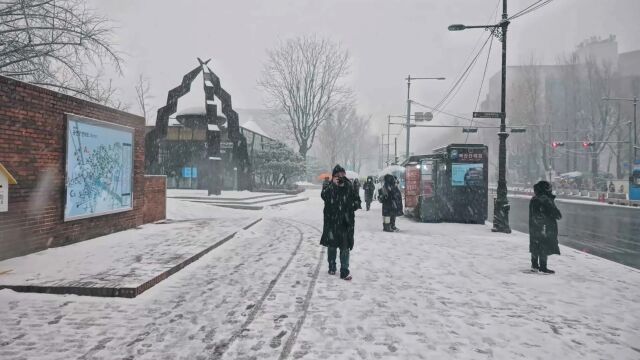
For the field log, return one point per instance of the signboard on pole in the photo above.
(487, 115)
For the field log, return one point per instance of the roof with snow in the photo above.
(255, 128)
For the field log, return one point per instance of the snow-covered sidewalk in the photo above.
(120, 264)
(432, 291)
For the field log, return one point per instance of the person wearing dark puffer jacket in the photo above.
(369, 188)
(543, 227)
(340, 204)
(391, 198)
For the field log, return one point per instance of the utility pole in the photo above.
(501, 205)
(381, 151)
(388, 133)
(395, 151)
(408, 114)
(408, 124)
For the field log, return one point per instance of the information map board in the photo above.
(99, 168)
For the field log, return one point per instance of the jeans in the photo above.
(543, 260)
(391, 220)
(344, 260)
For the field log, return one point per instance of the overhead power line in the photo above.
(453, 91)
(484, 74)
(530, 9)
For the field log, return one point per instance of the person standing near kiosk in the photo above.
(543, 227)
(391, 198)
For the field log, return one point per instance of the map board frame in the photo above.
(71, 119)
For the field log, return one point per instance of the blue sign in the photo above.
(99, 168)
(467, 174)
(189, 172)
(186, 172)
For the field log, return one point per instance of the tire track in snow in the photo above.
(291, 340)
(220, 349)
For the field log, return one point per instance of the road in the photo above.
(607, 231)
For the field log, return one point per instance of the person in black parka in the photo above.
(391, 198)
(543, 227)
(369, 188)
(356, 188)
(340, 204)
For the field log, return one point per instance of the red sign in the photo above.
(427, 188)
(412, 186)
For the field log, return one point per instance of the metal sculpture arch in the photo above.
(217, 129)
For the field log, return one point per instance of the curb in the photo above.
(123, 292)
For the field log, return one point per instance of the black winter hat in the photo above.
(337, 169)
(542, 187)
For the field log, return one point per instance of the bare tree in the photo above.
(356, 144)
(59, 44)
(304, 77)
(143, 87)
(333, 134)
(527, 109)
(599, 117)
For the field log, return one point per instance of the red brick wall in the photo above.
(155, 198)
(32, 148)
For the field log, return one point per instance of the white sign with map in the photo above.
(99, 168)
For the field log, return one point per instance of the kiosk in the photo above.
(449, 185)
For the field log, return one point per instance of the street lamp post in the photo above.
(501, 204)
(409, 78)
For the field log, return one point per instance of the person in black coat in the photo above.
(369, 188)
(543, 227)
(391, 198)
(340, 204)
(356, 188)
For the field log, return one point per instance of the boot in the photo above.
(393, 225)
(386, 227)
(534, 263)
(543, 267)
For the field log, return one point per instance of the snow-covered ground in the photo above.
(125, 259)
(432, 291)
(224, 194)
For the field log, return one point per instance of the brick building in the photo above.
(33, 129)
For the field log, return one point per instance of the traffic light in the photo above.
(556, 144)
(587, 144)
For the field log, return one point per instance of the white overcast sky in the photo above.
(387, 40)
